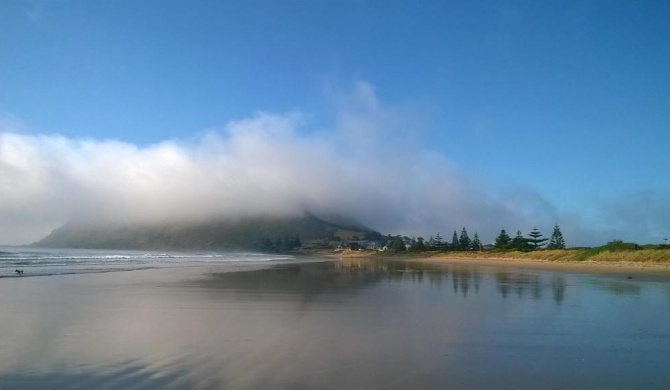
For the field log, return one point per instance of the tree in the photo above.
(536, 240)
(464, 241)
(267, 245)
(430, 245)
(420, 246)
(438, 242)
(372, 235)
(519, 242)
(503, 240)
(557, 241)
(454, 242)
(397, 244)
(476, 243)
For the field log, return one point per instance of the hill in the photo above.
(260, 233)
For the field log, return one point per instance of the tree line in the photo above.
(279, 244)
(534, 241)
(461, 243)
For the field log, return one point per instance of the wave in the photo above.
(46, 262)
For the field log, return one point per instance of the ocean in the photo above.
(34, 261)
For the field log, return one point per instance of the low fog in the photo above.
(368, 167)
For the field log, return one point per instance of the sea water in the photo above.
(33, 261)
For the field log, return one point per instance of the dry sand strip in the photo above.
(636, 270)
(645, 271)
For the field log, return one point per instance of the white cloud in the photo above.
(641, 216)
(369, 167)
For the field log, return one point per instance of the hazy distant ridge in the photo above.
(248, 233)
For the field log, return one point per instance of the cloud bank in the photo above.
(369, 167)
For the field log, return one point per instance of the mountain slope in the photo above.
(249, 233)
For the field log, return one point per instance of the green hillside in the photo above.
(261, 233)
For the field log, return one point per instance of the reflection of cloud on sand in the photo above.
(341, 324)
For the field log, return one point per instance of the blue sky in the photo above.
(560, 105)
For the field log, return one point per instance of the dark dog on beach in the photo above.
(19, 272)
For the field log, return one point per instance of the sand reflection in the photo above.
(358, 323)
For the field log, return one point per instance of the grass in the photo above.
(638, 256)
(551, 255)
(614, 251)
(603, 254)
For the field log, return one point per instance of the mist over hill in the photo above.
(366, 166)
(252, 233)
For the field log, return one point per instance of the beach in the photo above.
(644, 270)
(356, 323)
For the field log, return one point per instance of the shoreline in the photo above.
(633, 270)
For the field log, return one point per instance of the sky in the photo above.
(411, 117)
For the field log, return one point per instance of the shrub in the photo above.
(612, 246)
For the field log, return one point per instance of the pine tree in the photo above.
(454, 242)
(476, 243)
(557, 241)
(420, 246)
(439, 242)
(431, 243)
(503, 240)
(536, 240)
(464, 241)
(519, 242)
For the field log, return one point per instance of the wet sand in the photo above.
(644, 271)
(355, 324)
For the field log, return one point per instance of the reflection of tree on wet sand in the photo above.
(519, 283)
(558, 287)
(395, 270)
(436, 279)
(300, 280)
(462, 276)
(316, 278)
(310, 279)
